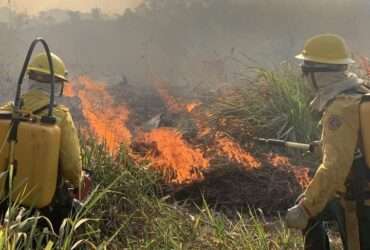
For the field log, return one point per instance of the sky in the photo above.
(34, 6)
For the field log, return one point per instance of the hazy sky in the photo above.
(34, 6)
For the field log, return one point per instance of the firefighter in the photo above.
(36, 101)
(338, 187)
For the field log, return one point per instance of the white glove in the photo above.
(297, 217)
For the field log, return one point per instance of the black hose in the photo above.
(17, 101)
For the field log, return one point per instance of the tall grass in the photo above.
(148, 218)
(129, 209)
(26, 228)
(274, 103)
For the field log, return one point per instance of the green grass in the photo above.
(274, 103)
(150, 219)
(130, 210)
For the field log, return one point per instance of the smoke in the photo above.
(193, 44)
(107, 6)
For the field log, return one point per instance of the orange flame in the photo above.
(68, 90)
(171, 103)
(278, 160)
(165, 148)
(191, 106)
(233, 151)
(105, 119)
(176, 159)
(301, 173)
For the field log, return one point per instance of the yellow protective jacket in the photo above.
(70, 164)
(339, 139)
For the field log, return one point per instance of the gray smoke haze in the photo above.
(182, 41)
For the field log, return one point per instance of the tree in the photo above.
(20, 20)
(96, 14)
(74, 16)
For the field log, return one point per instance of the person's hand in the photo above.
(297, 217)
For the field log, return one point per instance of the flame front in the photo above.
(106, 120)
(170, 154)
(301, 173)
(171, 103)
(165, 148)
(225, 146)
(68, 90)
(278, 160)
(234, 152)
(191, 106)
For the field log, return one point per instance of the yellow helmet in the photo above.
(40, 64)
(327, 49)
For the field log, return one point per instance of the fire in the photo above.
(68, 90)
(225, 146)
(233, 151)
(165, 148)
(171, 103)
(278, 160)
(106, 120)
(191, 106)
(301, 173)
(175, 158)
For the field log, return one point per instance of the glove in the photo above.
(297, 217)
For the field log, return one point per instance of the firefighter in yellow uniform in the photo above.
(338, 189)
(36, 101)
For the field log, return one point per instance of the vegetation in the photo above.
(129, 210)
(273, 103)
(150, 219)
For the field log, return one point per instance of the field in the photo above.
(169, 99)
(218, 190)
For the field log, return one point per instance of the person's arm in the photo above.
(339, 141)
(70, 152)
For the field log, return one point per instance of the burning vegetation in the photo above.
(193, 156)
(233, 151)
(107, 121)
(169, 153)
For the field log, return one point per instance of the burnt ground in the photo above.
(226, 184)
(232, 187)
